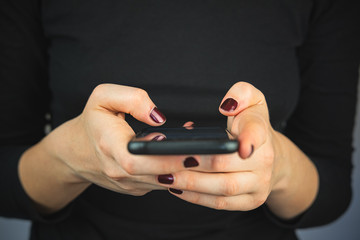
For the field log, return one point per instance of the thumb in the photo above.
(240, 96)
(119, 99)
(247, 113)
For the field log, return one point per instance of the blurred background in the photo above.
(347, 227)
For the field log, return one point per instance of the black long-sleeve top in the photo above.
(302, 54)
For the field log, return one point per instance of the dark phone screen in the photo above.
(183, 133)
(183, 140)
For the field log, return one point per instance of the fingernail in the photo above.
(157, 116)
(158, 138)
(166, 179)
(190, 127)
(229, 105)
(176, 191)
(190, 162)
(252, 151)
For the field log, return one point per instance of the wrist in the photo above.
(282, 163)
(48, 170)
(283, 174)
(295, 182)
(61, 147)
(47, 181)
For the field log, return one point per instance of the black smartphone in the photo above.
(183, 141)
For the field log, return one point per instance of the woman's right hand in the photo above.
(92, 148)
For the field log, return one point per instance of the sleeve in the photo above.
(322, 124)
(24, 98)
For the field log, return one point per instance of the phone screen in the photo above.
(183, 140)
(183, 133)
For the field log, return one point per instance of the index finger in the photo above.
(124, 99)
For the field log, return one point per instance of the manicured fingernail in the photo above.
(190, 127)
(157, 116)
(252, 151)
(190, 162)
(229, 105)
(158, 138)
(166, 179)
(176, 191)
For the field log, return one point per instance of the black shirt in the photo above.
(302, 54)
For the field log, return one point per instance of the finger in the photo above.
(154, 136)
(225, 163)
(189, 125)
(240, 96)
(117, 159)
(138, 183)
(220, 184)
(123, 99)
(146, 165)
(113, 146)
(243, 202)
(133, 186)
(251, 128)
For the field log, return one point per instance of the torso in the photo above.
(186, 54)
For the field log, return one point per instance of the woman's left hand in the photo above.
(243, 180)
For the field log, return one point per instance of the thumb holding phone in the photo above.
(268, 167)
(248, 116)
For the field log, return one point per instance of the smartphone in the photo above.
(183, 141)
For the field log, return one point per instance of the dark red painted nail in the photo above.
(176, 191)
(252, 151)
(166, 179)
(190, 162)
(157, 116)
(158, 138)
(229, 105)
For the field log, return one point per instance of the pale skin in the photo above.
(92, 149)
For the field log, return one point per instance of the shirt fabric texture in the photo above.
(302, 54)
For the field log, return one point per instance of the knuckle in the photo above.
(113, 174)
(220, 203)
(125, 186)
(140, 96)
(231, 187)
(190, 182)
(245, 88)
(103, 146)
(128, 166)
(138, 193)
(129, 187)
(99, 90)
